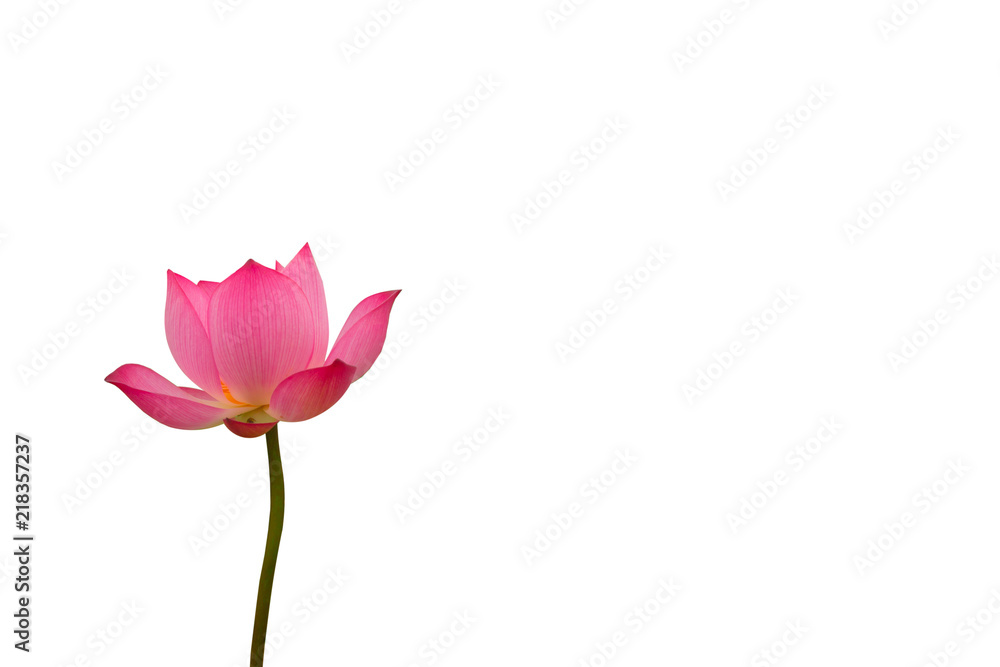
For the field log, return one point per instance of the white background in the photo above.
(522, 291)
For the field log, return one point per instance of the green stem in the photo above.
(270, 549)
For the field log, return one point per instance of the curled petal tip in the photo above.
(173, 406)
(363, 335)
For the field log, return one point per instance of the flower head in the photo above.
(256, 346)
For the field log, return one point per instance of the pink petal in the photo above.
(363, 335)
(208, 287)
(261, 328)
(278, 267)
(200, 395)
(303, 270)
(187, 336)
(245, 430)
(167, 403)
(310, 392)
(196, 295)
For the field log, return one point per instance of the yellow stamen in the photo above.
(225, 391)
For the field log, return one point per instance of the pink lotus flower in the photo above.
(256, 345)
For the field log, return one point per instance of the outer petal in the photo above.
(245, 430)
(261, 330)
(185, 319)
(311, 392)
(303, 270)
(251, 424)
(167, 403)
(363, 335)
